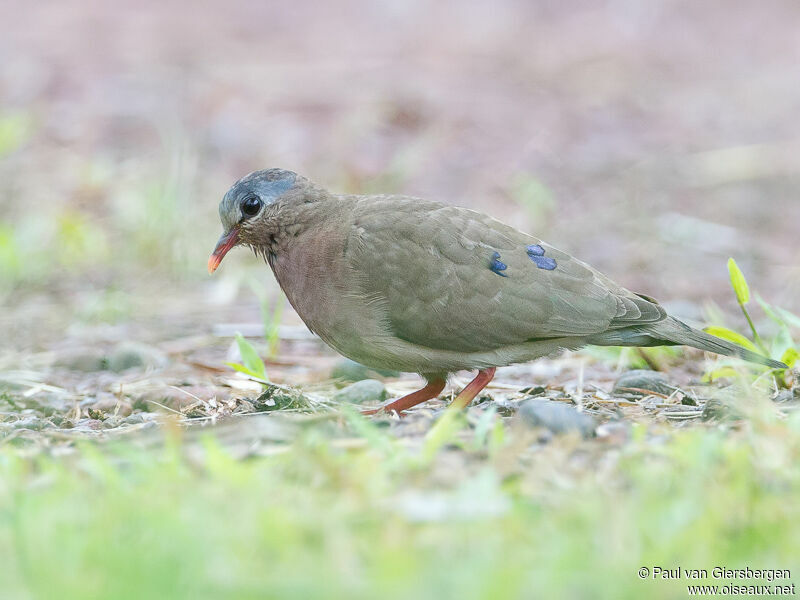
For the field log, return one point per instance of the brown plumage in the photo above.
(414, 285)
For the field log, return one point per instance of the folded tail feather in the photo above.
(672, 332)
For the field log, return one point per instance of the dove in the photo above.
(413, 285)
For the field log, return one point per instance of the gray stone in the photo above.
(720, 410)
(557, 417)
(350, 370)
(631, 382)
(361, 392)
(134, 419)
(129, 355)
(89, 425)
(32, 423)
(784, 396)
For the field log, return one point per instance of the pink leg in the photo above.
(430, 391)
(474, 387)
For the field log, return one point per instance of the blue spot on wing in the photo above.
(536, 254)
(544, 262)
(496, 266)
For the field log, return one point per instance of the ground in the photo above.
(653, 142)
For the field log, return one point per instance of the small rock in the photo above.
(134, 419)
(558, 417)
(129, 355)
(720, 410)
(89, 425)
(123, 409)
(350, 370)
(32, 423)
(362, 392)
(87, 360)
(112, 422)
(631, 382)
(784, 396)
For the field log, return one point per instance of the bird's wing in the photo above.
(453, 279)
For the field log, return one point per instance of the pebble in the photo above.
(362, 392)
(720, 410)
(641, 379)
(785, 396)
(89, 425)
(558, 417)
(32, 423)
(350, 370)
(134, 419)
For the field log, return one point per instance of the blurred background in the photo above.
(653, 140)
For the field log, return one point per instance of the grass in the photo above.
(473, 506)
(108, 200)
(110, 222)
(349, 511)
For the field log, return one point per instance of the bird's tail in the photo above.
(672, 331)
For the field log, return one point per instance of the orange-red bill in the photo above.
(225, 243)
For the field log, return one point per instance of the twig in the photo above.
(172, 410)
(651, 362)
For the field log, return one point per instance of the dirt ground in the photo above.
(653, 141)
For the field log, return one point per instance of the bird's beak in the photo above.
(225, 243)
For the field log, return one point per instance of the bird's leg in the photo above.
(430, 391)
(473, 388)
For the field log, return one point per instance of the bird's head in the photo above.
(248, 207)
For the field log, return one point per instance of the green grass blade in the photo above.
(732, 336)
(738, 282)
(250, 358)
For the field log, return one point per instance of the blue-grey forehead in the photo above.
(270, 183)
(267, 185)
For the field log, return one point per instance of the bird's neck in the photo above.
(300, 219)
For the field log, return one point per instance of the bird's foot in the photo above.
(473, 388)
(430, 391)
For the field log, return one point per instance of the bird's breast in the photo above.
(314, 275)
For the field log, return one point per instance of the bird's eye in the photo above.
(251, 205)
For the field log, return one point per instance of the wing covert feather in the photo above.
(428, 264)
